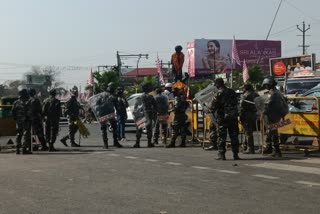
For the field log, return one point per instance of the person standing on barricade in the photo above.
(162, 108)
(225, 103)
(112, 121)
(72, 111)
(37, 118)
(52, 113)
(179, 122)
(275, 109)
(177, 60)
(248, 117)
(22, 115)
(122, 116)
(144, 111)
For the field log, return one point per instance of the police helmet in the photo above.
(219, 82)
(269, 81)
(168, 85)
(74, 91)
(146, 87)
(111, 87)
(53, 92)
(31, 92)
(178, 48)
(23, 92)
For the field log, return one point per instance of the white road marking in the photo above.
(36, 170)
(308, 183)
(228, 171)
(97, 153)
(151, 160)
(173, 163)
(114, 155)
(309, 160)
(286, 167)
(201, 167)
(266, 176)
(130, 157)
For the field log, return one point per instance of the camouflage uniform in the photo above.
(22, 114)
(162, 108)
(52, 112)
(37, 119)
(225, 103)
(179, 122)
(248, 117)
(149, 112)
(72, 111)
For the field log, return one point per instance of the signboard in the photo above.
(207, 56)
(38, 79)
(291, 64)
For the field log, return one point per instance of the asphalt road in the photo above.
(155, 180)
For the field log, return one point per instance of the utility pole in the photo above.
(119, 64)
(303, 30)
(139, 56)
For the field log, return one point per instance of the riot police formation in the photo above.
(122, 116)
(248, 117)
(162, 108)
(110, 93)
(179, 122)
(225, 103)
(72, 112)
(275, 109)
(22, 115)
(52, 113)
(145, 107)
(37, 118)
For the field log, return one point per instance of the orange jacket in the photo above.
(177, 61)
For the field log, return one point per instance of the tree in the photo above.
(256, 75)
(103, 79)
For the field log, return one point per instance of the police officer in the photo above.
(179, 122)
(162, 108)
(52, 113)
(22, 114)
(122, 116)
(225, 103)
(37, 118)
(273, 111)
(149, 110)
(72, 111)
(110, 90)
(248, 117)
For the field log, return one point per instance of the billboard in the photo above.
(279, 66)
(209, 56)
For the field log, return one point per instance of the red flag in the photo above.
(91, 79)
(235, 54)
(161, 80)
(245, 72)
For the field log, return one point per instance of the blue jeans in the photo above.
(121, 126)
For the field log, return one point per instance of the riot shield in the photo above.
(102, 106)
(138, 114)
(205, 96)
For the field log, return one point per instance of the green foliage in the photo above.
(104, 78)
(197, 85)
(256, 75)
(237, 79)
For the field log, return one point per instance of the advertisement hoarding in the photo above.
(279, 66)
(206, 56)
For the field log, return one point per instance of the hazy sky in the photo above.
(88, 33)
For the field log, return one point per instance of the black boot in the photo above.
(267, 149)
(64, 141)
(221, 156)
(137, 144)
(51, 148)
(236, 156)
(25, 151)
(105, 141)
(73, 144)
(117, 144)
(183, 143)
(276, 153)
(172, 144)
(18, 149)
(44, 147)
(150, 144)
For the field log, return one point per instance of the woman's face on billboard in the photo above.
(212, 48)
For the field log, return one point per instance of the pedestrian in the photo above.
(52, 113)
(148, 112)
(122, 116)
(179, 125)
(274, 111)
(72, 112)
(110, 93)
(37, 118)
(177, 60)
(226, 104)
(22, 115)
(162, 108)
(248, 117)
